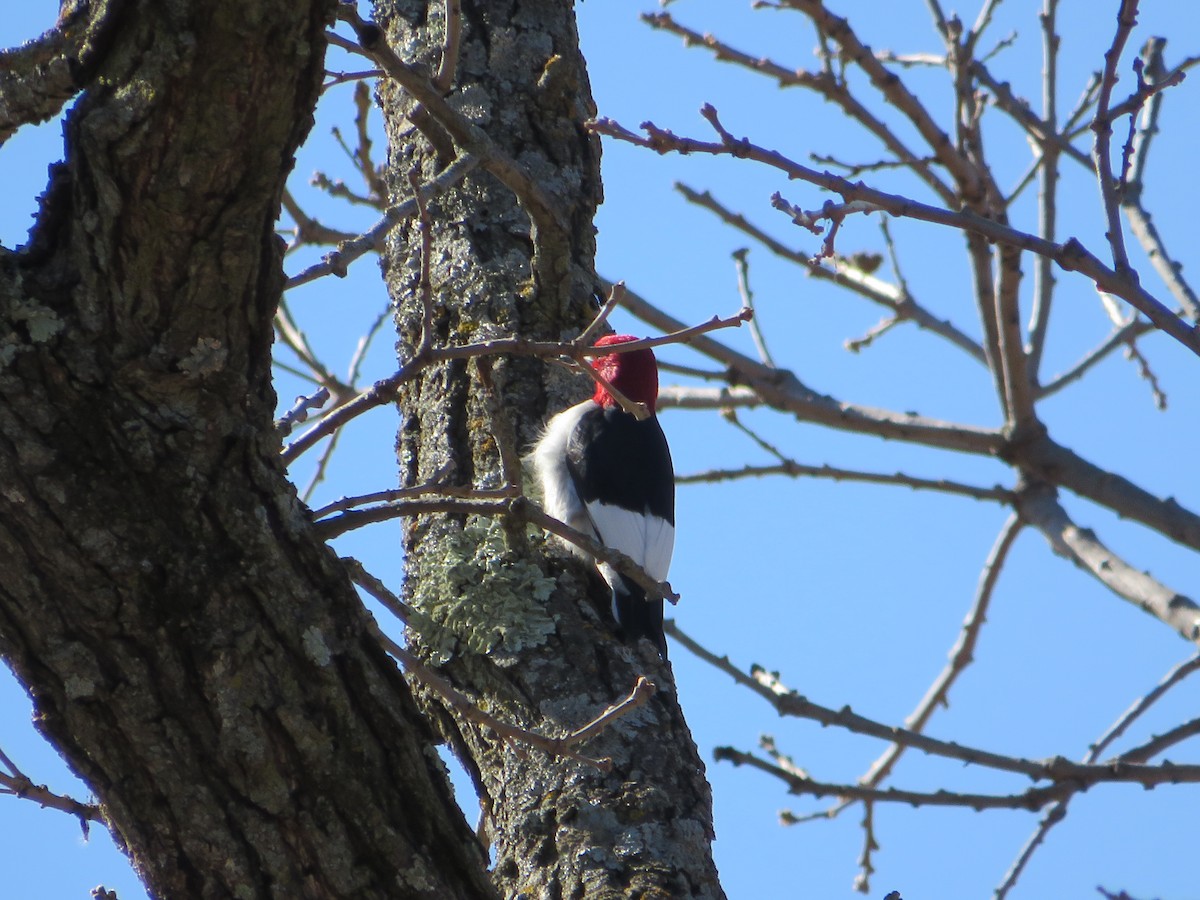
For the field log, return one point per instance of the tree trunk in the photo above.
(517, 625)
(198, 658)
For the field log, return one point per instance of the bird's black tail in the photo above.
(638, 616)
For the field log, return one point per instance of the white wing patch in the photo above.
(646, 539)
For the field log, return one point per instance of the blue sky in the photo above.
(854, 593)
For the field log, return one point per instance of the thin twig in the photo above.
(1058, 811)
(300, 410)
(384, 390)
(1140, 223)
(895, 297)
(338, 261)
(425, 282)
(742, 265)
(790, 467)
(469, 137)
(564, 746)
(862, 881)
(451, 44)
(322, 466)
(616, 293)
(1118, 338)
(1071, 255)
(431, 490)
(962, 654)
(1043, 273)
(1142, 705)
(336, 78)
(497, 503)
(1102, 126)
(308, 230)
(828, 84)
(1032, 799)
(16, 783)
(364, 344)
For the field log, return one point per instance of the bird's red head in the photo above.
(634, 374)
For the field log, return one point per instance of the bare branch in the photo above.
(40, 76)
(800, 470)
(642, 691)
(1055, 814)
(788, 466)
(434, 489)
(742, 265)
(1140, 223)
(894, 297)
(292, 337)
(384, 390)
(1032, 799)
(16, 783)
(782, 390)
(470, 711)
(425, 504)
(1067, 777)
(1071, 255)
(300, 410)
(336, 78)
(616, 294)
(1058, 811)
(450, 45)
(1062, 786)
(1102, 126)
(364, 343)
(723, 398)
(500, 502)
(862, 881)
(1163, 742)
(894, 91)
(371, 173)
(789, 703)
(1177, 674)
(1145, 91)
(1120, 337)
(1042, 458)
(337, 262)
(829, 86)
(1147, 374)
(1018, 386)
(1042, 130)
(1039, 506)
(308, 230)
(381, 392)
(962, 654)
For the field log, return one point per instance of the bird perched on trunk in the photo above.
(609, 475)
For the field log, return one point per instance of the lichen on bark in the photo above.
(472, 594)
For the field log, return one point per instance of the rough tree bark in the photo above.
(198, 658)
(528, 638)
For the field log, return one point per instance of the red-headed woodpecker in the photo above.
(607, 474)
